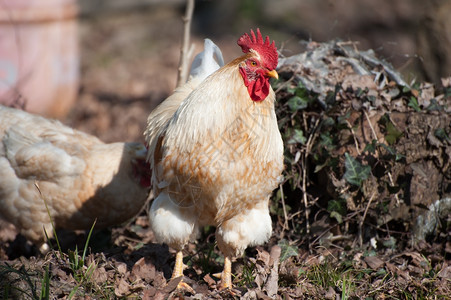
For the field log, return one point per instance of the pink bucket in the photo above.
(39, 58)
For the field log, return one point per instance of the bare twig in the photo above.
(377, 138)
(363, 220)
(286, 83)
(44, 246)
(356, 142)
(371, 125)
(186, 50)
(390, 177)
(285, 222)
(309, 146)
(347, 218)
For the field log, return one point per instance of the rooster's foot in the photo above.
(225, 275)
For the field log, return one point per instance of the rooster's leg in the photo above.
(178, 268)
(226, 275)
(178, 271)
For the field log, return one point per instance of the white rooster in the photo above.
(218, 158)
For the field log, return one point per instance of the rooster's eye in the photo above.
(253, 63)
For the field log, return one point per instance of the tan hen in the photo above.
(80, 177)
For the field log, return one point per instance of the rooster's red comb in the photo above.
(265, 49)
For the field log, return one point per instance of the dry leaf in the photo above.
(374, 262)
(121, 268)
(172, 284)
(122, 287)
(144, 269)
(331, 294)
(263, 256)
(272, 284)
(395, 270)
(100, 275)
(210, 281)
(445, 272)
(149, 293)
(261, 295)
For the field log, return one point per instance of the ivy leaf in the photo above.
(390, 243)
(355, 173)
(337, 209)
(413, 102)
(287, 250)
(338, 206)
(337, 217)
(447, 91)
(434, 106)
(371, 148)
(405, 89)
(326, 140)
(392, 152)
(298, 137)
(297, 103)
(327, 122)
(360, 92)
(393, 134)
(441, 134)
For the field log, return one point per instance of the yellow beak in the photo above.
(272, 74)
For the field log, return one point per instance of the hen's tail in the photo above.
(204, 63)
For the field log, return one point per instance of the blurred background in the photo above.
(103, 65)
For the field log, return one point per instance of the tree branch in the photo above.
(186, 51)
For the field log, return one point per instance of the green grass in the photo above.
(17, 282)
(326, 275)
(247, 276)
(45, 285)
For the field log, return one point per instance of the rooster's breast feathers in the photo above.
(225, 149)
